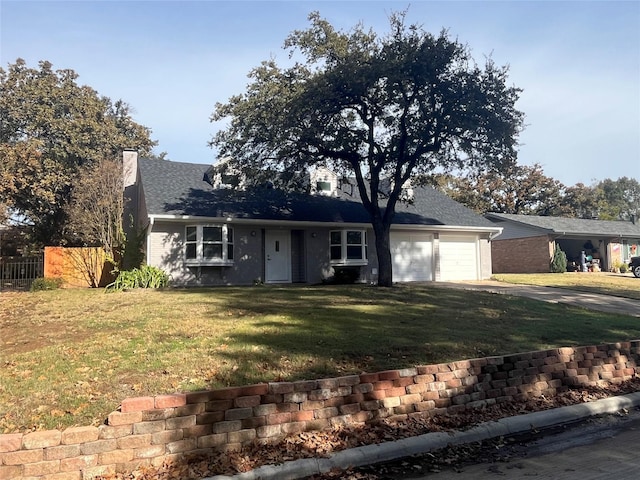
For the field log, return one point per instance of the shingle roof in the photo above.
(174, 188)
(573, 226)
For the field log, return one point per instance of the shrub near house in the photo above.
(559, 261)
(143, 277)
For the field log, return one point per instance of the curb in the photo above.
(384, 452)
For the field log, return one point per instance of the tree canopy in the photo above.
(518, 189)
(526, 190)
(380, 109)
(620, 198)
(51, 128)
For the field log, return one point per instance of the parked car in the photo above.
(634, 266)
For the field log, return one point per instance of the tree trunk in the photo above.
(383, 251)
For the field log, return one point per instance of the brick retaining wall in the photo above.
(152, 430)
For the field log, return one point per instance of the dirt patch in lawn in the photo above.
(23, 334)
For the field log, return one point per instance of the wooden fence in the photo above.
(18, 273)
(78, 266)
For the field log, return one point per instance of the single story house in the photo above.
(527, 241)
(203, 233)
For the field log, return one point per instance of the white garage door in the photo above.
(458, 258)
(412, 257)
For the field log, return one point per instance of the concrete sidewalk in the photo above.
(593, 301)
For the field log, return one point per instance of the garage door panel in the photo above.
(458, 258)
(412, 257)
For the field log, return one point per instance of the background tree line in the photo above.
(526, 190)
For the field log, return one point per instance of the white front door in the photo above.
(277, 251)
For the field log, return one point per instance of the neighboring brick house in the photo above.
(527, 242)
(202, 232)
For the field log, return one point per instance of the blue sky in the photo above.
(578, 63)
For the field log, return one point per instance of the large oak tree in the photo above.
(381, 109)
(50, 129)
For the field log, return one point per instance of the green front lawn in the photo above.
(68, 357)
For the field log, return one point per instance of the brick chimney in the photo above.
(131, 195)
(129, 167)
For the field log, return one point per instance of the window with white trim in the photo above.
(348, 247)
(208, 244)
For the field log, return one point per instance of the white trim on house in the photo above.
(414, 271)
(256, 221)
(342, 225)
(148, 234)
(198, 254)
(449, 228)
(343, 246)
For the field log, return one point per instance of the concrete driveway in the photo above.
(603, 303)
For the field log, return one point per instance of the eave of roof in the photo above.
(572, 226)
(186, 219)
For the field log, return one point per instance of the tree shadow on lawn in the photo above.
(310, 333)
(296, 333)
